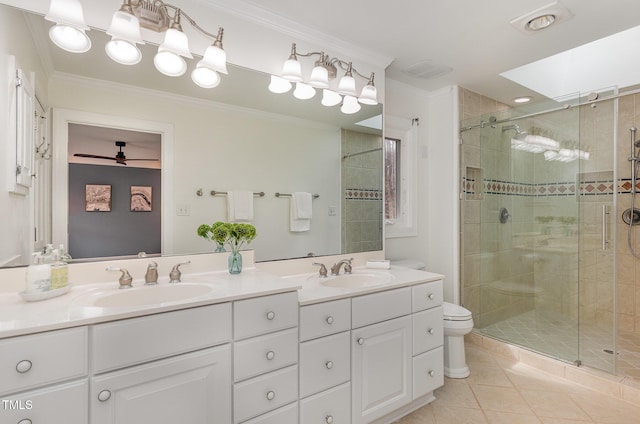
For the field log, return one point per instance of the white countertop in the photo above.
(314, 289)
(18, 317)
(75, 308)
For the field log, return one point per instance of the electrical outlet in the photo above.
(333, 210)
(183, 210)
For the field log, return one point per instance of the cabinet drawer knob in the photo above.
(431, 331)
(23, 366)
(328, 364)
(271, 395)
(25, 421)
(361, 341)
(270, 355)
(271, 315)
(329, 319)
(328, 419)
(432, 373)
(104, 395)
(431, 296)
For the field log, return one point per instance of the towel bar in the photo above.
(315, 196)
(215, 193)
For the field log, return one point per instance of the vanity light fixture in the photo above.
(69, 31)
(155, 15)
(324, 71)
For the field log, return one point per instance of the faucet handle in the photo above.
(151, 277)
(323, 269)
(348, 267)
(125, 278)
(175, 274)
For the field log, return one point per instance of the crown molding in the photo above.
(267, 19)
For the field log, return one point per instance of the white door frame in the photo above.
(60, 178)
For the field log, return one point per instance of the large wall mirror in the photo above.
(237, 136)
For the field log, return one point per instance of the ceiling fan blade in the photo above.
(150, 160)
(85, 155)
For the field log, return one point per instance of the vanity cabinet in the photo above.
(163, 368)
(265, 351)
(40, 372)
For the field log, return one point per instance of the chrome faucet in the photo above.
(151, 277)
(175, 274)
(323, 269)
(125, 278)
(335, 269)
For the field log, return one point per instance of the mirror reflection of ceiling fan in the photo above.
(119, 157)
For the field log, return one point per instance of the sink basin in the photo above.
(356, 281)
(151, 295)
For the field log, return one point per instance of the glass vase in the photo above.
(235, 262)
(220, 248)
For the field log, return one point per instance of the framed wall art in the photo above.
(98, 197)
(141, 200)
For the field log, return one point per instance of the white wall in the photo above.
(215, 146)
(437, 241)
(16, 41)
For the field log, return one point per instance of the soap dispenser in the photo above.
(59, 270)
(38, 278)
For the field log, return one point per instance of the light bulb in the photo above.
(304, 91)
(279, 85)
(123, 52)
(330, 98)
(292, 70)
(319, 77)
(205, 77)
(350, 105)
(69, 31)
(369, 95)
(170, 63)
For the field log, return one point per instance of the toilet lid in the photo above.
(453, 312)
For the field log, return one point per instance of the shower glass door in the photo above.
(535, 184)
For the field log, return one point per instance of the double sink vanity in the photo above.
(218, 348)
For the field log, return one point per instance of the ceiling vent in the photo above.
(427, 69)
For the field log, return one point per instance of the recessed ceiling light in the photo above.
(541, 18)
(541, 22)
(523, 99)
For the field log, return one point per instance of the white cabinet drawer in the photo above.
(65, 403)
(285, 415)
(324, 363)
(332, 406)
(265, 353)
(34, 360)
(266, 314)
(265, 393)
(428, 372)
(133, 341)
(427, 296)
(380, 307)
(323, 319)
(190, 388)
(427, 330)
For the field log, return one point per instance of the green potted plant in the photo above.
(235, 235)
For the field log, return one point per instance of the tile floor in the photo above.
(502, 390)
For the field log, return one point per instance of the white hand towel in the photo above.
(300, 212)
(240, 205)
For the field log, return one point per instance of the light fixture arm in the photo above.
(328, 62)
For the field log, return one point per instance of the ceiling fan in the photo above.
(119, 157)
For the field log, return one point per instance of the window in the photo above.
(400, 177)
(392, 161)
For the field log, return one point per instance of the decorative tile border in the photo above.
(508, 188)
(362, 194)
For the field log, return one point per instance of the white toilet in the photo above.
(457, 322)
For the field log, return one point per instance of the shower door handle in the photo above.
(605, 241)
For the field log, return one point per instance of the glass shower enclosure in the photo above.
(537, 235)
